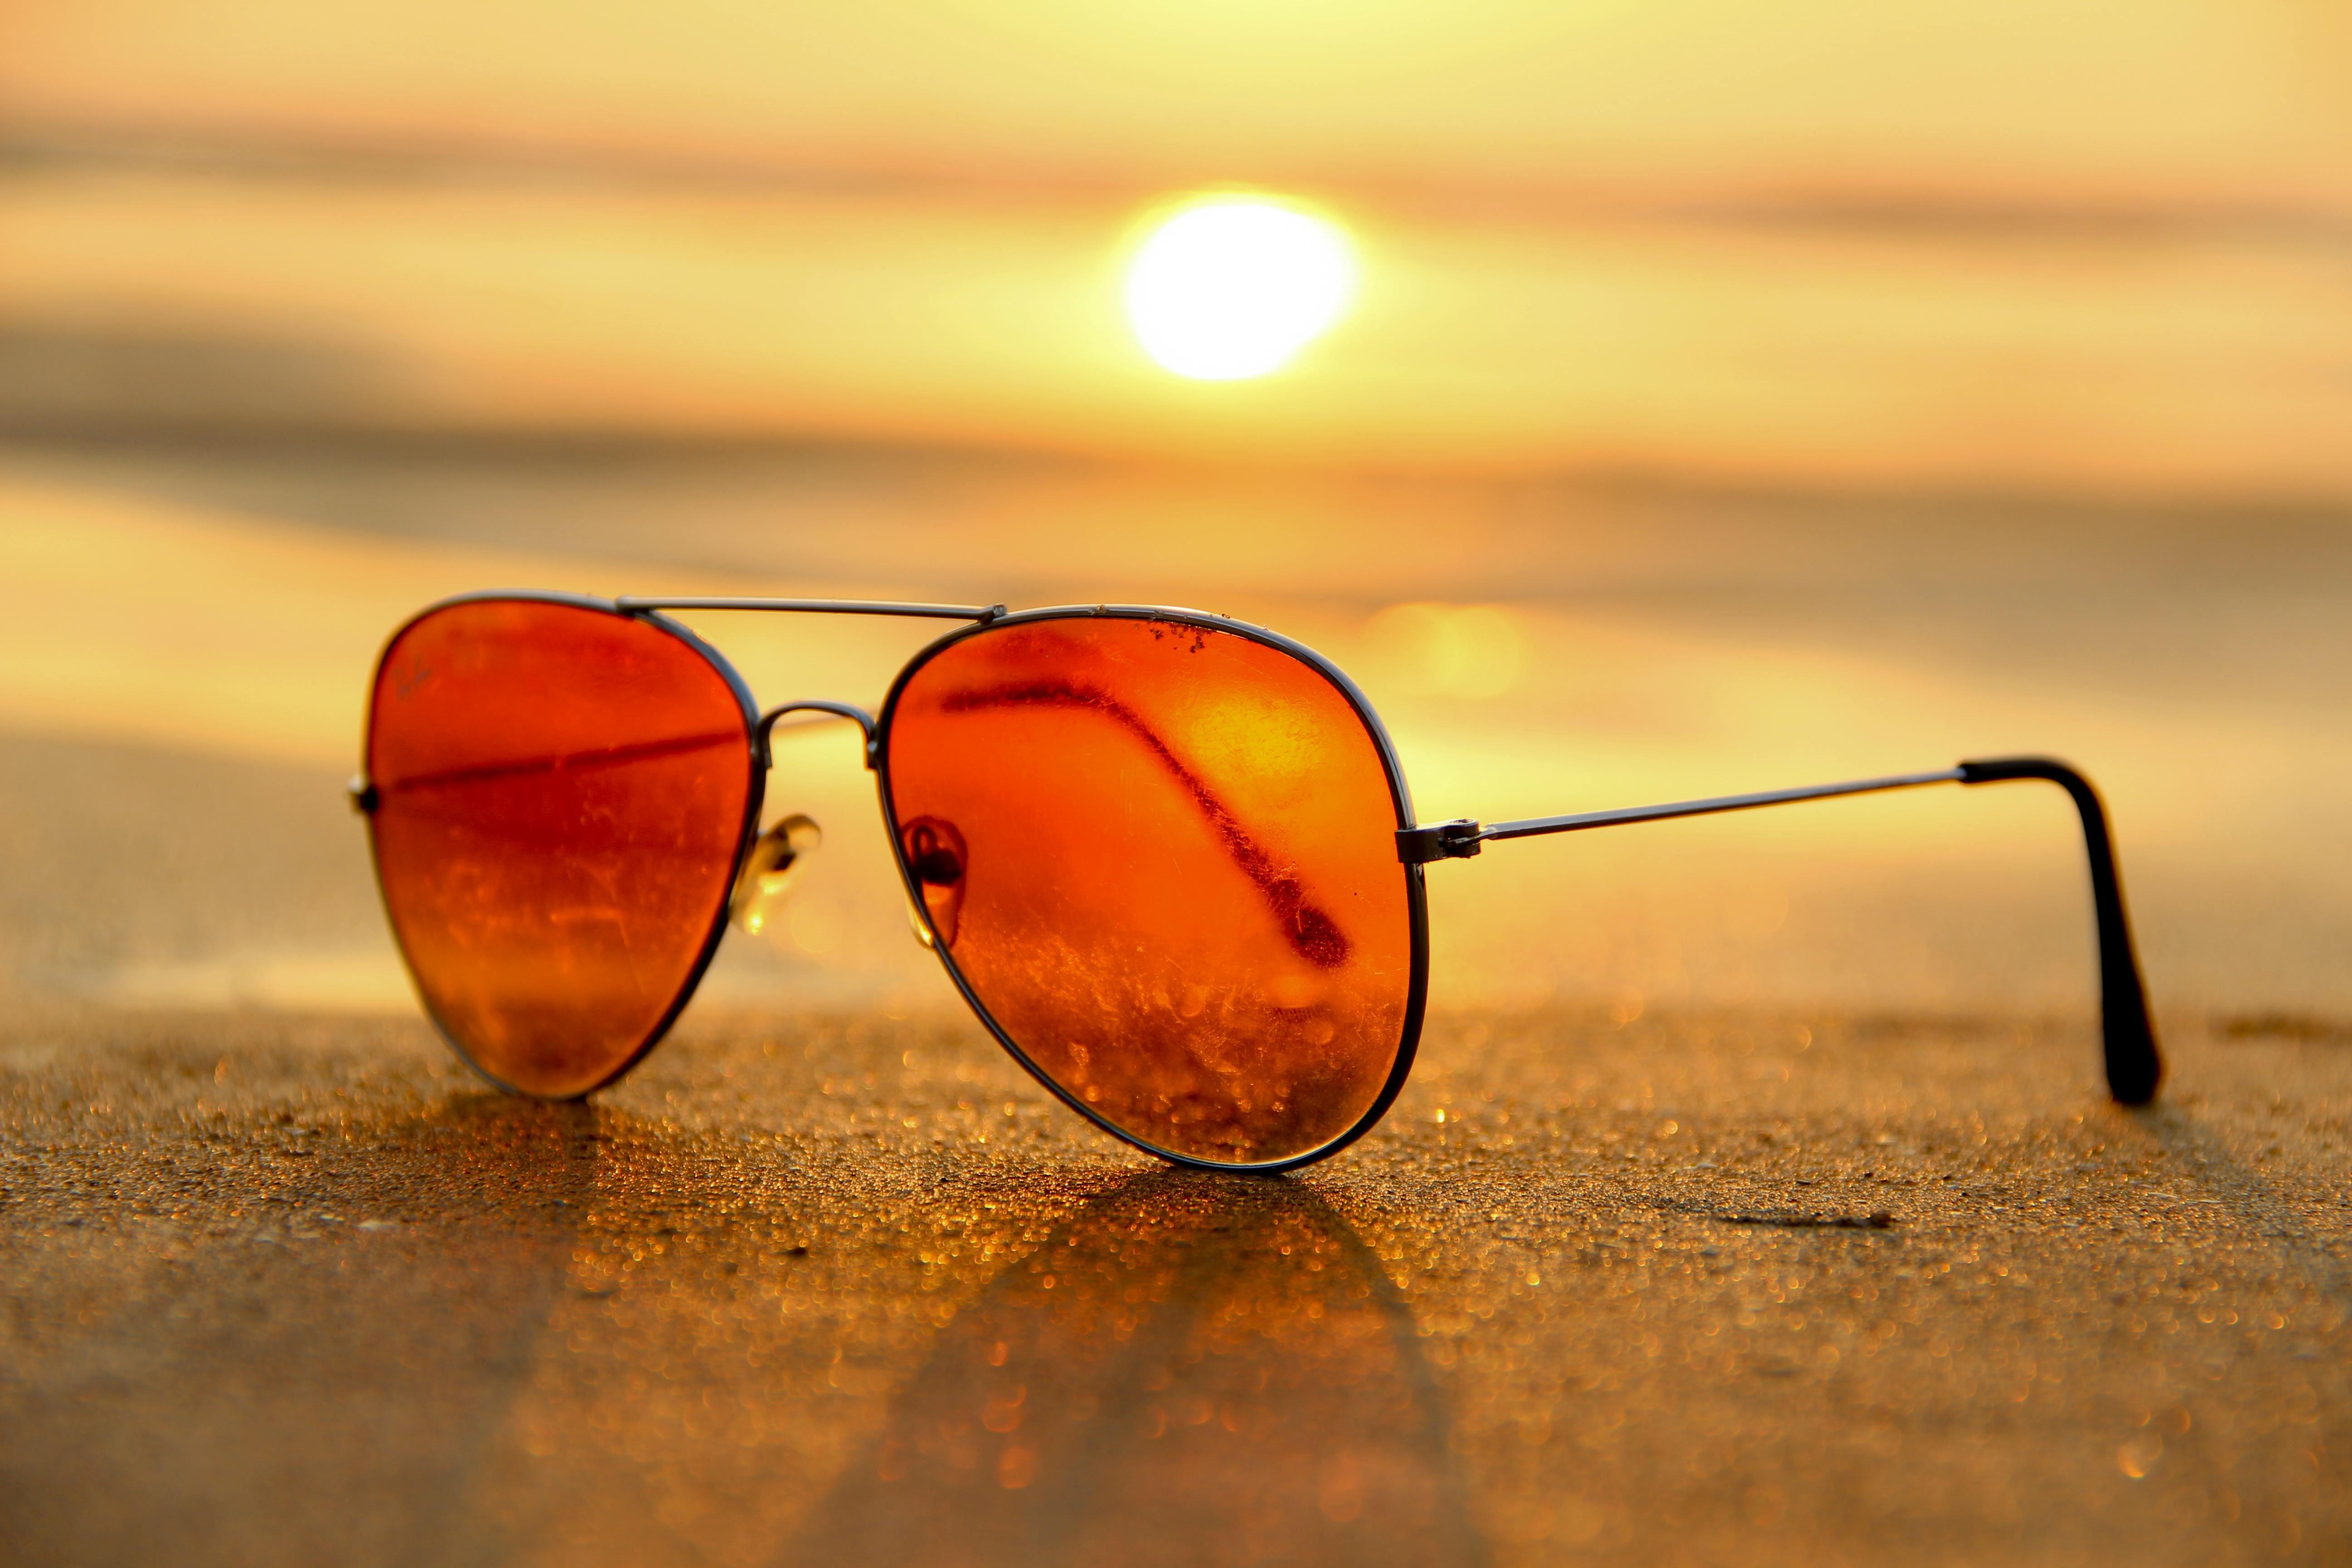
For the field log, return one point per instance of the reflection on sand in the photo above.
(1189, 1369)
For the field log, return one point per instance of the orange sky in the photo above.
(2027, 247)
(2094, 247)
(2099, 100)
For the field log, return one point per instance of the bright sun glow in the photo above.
(1231, 287)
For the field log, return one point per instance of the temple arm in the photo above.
(2134, 1066)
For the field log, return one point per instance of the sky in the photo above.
(2098, 102)
(2095, 249)
(1733, 395)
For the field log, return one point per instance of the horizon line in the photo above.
(257, 154)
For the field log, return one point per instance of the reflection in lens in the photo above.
(1176, 884)
(935, 856)
(562, 793)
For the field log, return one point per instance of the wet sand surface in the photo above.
(1726, 1288)
(1807, 1238)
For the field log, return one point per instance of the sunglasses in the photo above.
(1170, 859)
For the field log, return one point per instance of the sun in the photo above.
(1229, 286)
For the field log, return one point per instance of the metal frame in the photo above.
(630, 605)
(2134, 1064)
(755, 731)
(1416, 899)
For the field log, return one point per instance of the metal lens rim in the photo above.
(1416, 900)
(754, 799)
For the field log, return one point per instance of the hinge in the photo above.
(1455, 840)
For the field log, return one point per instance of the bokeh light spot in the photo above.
(1227, 288)
(1448, 651)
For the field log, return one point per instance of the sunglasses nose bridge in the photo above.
(778, 858)
(817, 705)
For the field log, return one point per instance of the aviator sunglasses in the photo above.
(1169, 858)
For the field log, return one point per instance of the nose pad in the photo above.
(779, 858)
(935, 854)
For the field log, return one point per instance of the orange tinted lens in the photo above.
(561, 793)
(1163, 858)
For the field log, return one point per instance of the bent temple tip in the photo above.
(2135, 1064)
